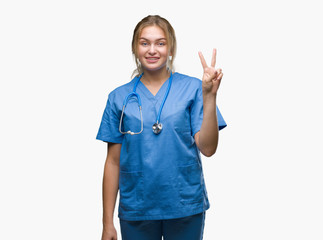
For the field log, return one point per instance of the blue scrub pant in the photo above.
(186, 228)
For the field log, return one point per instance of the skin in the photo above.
(155, 74)
(110, 190)
(153, 45)
(207, 138)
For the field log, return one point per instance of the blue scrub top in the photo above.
(161, 176)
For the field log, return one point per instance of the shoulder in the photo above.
(116, 97)
(187, 81)
(122, 90)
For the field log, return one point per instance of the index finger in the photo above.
(213, 58)
(202, 60)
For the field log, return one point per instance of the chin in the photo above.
(157, 68)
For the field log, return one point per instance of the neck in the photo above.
(156, 77)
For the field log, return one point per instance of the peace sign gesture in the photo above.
(211, 77)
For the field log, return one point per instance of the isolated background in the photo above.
(60, 59)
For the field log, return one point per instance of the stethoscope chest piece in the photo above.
(157, 127)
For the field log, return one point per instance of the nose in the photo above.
(152, 49)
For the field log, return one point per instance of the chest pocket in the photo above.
(179, 116)
(180, 121)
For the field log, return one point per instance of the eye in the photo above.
(144, 43)
(161, 44)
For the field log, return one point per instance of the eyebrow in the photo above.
(149, 40)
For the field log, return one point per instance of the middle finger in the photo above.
(213, 61)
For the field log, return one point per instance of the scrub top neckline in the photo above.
(149, 94)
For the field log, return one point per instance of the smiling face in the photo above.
(152, 48)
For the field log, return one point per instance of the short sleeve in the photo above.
(109, 127)
(197, 113)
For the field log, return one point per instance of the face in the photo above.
(152, 49)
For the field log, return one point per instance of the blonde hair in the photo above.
(154, 20)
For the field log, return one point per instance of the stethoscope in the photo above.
(157, 127)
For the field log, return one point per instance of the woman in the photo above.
(155, 135)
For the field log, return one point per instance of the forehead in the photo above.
(152, 32)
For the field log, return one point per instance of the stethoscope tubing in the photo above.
(134, 93)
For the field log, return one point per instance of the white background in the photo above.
(60, 59)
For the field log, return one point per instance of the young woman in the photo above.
(156, 126)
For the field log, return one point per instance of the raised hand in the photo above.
(211, 77)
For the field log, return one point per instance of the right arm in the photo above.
(110, 189)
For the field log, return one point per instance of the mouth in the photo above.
(152, 59)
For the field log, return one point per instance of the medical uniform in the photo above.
(161, 176)
(186, 228)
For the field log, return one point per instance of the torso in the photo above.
(160, 175)
(153, 89)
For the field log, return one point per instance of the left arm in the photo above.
(208, 136)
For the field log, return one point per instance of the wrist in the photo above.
(209, 97)
(107, 222)
(106, 227)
